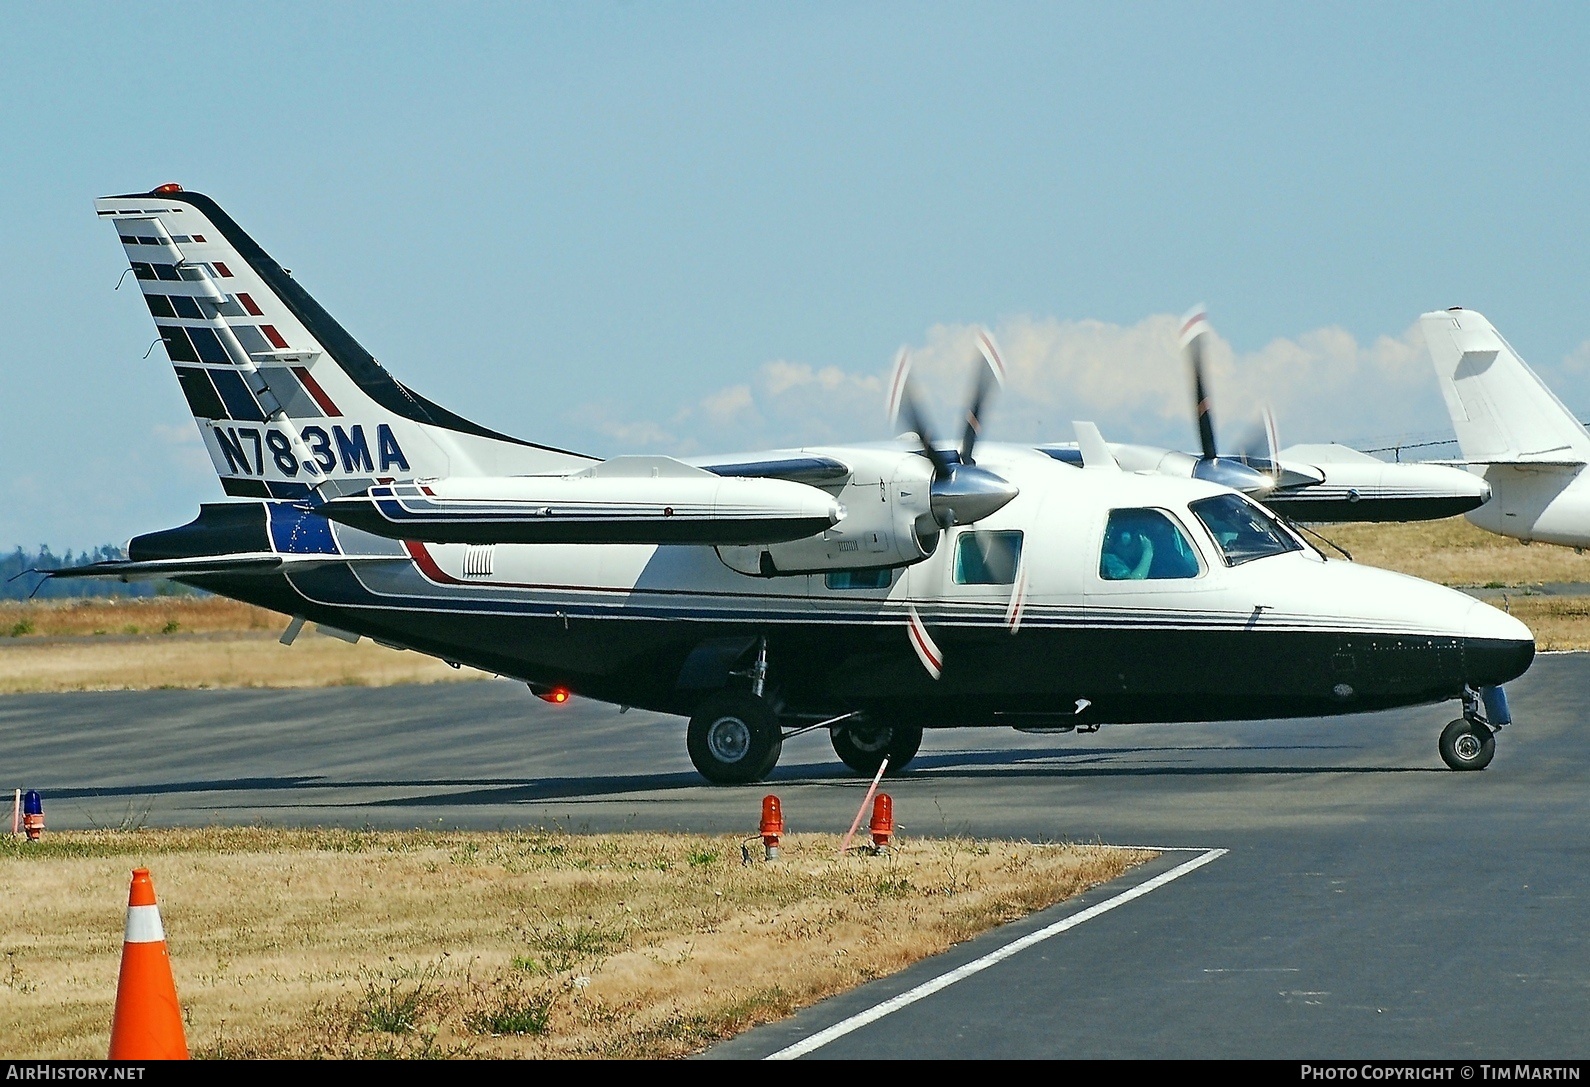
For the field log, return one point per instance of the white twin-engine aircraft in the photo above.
(872, 590)
(1306, 483)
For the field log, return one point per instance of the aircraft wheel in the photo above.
(734, 738)
(1466, 745)
(862, 747)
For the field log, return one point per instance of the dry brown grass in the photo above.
(1558, 622)
(1454, 552)
(106, 616)
(360, 944)
(33, 665)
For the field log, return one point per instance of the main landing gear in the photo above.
(735, 739)
(863, 745)
(1469, 743)
(735, 736)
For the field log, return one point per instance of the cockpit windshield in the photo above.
(1242, 529)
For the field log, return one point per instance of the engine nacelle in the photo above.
(888, 522)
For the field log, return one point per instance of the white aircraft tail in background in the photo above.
(1513, 431)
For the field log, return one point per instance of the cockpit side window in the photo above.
(1242, 529)
(1145, 545)
(987, 558)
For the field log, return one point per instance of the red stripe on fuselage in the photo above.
(422, 559)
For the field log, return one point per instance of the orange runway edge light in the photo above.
(882, 825)
(148, 1021)
(772, 825)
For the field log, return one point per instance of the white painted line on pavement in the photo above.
(944, 981)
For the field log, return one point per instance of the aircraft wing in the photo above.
(809, 468)
(1526, 460)
(636, 500)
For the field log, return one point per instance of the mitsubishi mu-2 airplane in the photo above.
(872, 590)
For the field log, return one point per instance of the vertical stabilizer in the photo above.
(289, 404)
(1501, 410)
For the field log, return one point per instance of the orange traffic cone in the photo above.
(148, 1023)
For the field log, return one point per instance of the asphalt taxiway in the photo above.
(1370, 903)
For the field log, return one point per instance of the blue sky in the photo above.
(693, 227)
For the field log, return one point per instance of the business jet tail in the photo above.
(1501, 410)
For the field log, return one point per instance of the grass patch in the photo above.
(1454, 552)
(358, 944)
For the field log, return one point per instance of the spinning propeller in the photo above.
(1253, 468)
(961, 492)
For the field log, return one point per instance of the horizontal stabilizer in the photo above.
(263, 562)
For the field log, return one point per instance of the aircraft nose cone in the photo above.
(1496, 647)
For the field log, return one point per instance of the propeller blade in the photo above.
(992, 375)
(897, 383)
(903, 408)
(927, 651)
(912, 415)
(1018, 597)
(1194, 332)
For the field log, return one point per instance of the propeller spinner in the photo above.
(961, 492)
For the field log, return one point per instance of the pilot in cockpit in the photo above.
(1128, 553)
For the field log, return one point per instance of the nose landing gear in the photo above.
(1469, 743)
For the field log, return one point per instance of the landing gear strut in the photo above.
(1469, 743)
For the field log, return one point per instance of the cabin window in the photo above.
(858, 579)
(1242, 530)
(1145, 545)
(987, 558)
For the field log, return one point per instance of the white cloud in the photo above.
(1130, 379)
(1577, 361)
